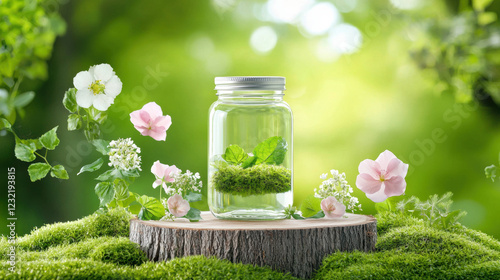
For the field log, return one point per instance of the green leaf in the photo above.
(105, 192)
(23, 99)
(101, 146)
(318, 215)
(38, 171)
(29, 142)
(480, 5)
(151, 209)
(5, 124)
(491, 172)
(92, 166)
(234, 154)
(109, 175)
(310, 206)
(486, 18)
(128, 201)
(193, 215)
(298, 217)
(130, 173)
(9, 81)
(25, 152)
(74, 122)
(271, 151)
(193, 197)
(249, 162)
(69, 100)
(96, 115)
(121, 189)
(58, 171)
(93, 131)
(135, 207)
(49, 140)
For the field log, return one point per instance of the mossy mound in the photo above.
(409, 249)
(256, 180)
(97, 247)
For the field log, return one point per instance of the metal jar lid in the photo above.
(250, 83)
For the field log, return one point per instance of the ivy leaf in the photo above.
(92, 166)
(101, 146)
(5, 124)
(193, 215)
(74, 122)
(49, 140)
(271, 151)
(25, 152)
(59, 172)
(38, 171)
(69, 100)
(29, 142)
(234, 154)
(193, 197)
(318, 215)
(249, 162)
(121, 189)
(23, 99)
(151, 208)
(105, 192)
(310, 206)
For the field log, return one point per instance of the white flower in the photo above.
(124, 154)
(323, 176)
(97, 87)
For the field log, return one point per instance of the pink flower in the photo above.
(178, 206)
(332, 208)
(164, 174)
(149, 121)
(383, 177)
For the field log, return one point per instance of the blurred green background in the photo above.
(353, 86)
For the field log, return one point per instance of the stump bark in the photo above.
(295, 246)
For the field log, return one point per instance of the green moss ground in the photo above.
(256, 180)
(97, 247)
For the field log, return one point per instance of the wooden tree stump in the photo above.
(296, 246)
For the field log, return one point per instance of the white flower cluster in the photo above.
(184, 183)
(338, 188)
(124, 154)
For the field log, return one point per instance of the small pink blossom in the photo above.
(178, 206)
(164, 174)
(332, 208)
(383, 177)
(149, 121)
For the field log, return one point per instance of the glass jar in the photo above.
(250, 154)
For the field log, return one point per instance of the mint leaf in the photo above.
(23, 99)
(193, 197)
(49, 140)
(38, 171)
(69, 100)
(92, 166)
(59, 172)
(193, 215)
(105, 192)
(249, 162)
(234, 154)
(25, 152)
(74, 122)
(271, 151)
(151, 208)
(318, 215)
(101, 146)
(310, 206)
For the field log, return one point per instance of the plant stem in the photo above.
(44, 157)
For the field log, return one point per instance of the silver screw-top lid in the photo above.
(250, 83)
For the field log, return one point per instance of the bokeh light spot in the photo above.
(406, 4)
(345, 38)
(263, 39)
(287, 10)
(320, 18)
